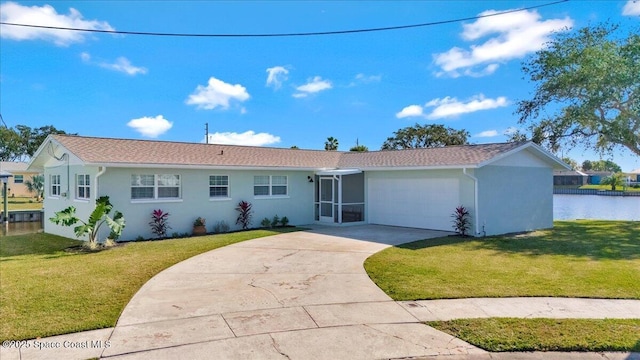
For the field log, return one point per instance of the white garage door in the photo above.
(419, 203)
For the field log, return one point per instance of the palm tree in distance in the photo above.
(331, 144)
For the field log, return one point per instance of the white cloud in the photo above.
(514, 36)
(488, 133)
(249, 138)
(451, 107)
(631, 8)
(46, 15)
(277, 75)
(150, 127)
(312, 86)
(409, 111)
(365, 79)
(123, 65)
(217, 93)
(510, 130)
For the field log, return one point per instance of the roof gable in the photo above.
(148, 153)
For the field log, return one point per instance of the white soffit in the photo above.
(339, 172)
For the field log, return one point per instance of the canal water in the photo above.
(20, 228)
(596, 207)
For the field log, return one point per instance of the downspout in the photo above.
(102, 170)
(475, 200)
(68, 178)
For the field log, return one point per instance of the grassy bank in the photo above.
(508, 334)
(608, 188)
(21, 203)
(45, 290)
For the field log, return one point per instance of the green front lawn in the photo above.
(575, 259)
(46, 291)
(508, 334)
(599, 259)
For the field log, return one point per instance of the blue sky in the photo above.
(280, 91)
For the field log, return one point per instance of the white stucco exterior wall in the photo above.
(195, 201)
(515, 195)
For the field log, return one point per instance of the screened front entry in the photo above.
(339, 196)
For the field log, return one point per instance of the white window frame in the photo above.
(18, 179)
(211, 186)
(83, 185)
(270, 186)
(55, 187)
(156, 186)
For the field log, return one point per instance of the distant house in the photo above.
(595, 177)
(569, 178)
(411, 188)
(634, 175)
(16, 186)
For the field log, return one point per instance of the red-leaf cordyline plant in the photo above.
(159, 223)
(461, 221)
(244, 216)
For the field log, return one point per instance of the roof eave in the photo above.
(197, 166)
(433, 167)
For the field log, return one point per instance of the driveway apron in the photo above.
(300, 295)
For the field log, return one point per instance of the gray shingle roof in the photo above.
(107, 151)
(13, 166)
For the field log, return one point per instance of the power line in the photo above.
(339, 32)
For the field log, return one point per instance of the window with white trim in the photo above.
(18, 179)
(55, 185)
(270, 185)
(155, 187)
(218, 186)
(83, 186)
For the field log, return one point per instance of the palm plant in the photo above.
(331, 144)
(36, 185)
(614, 180)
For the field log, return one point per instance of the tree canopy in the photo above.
(587, 84)
(359, 148)
(605, 165)
(569, 161)
(22, 142)
(425, 136)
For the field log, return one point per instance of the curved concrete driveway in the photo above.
(301, 295)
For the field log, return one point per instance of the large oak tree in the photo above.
(587, 91)
(22, 142)
(425, 136)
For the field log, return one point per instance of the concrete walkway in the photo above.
(302, 295)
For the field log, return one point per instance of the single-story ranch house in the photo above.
(506, 187)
